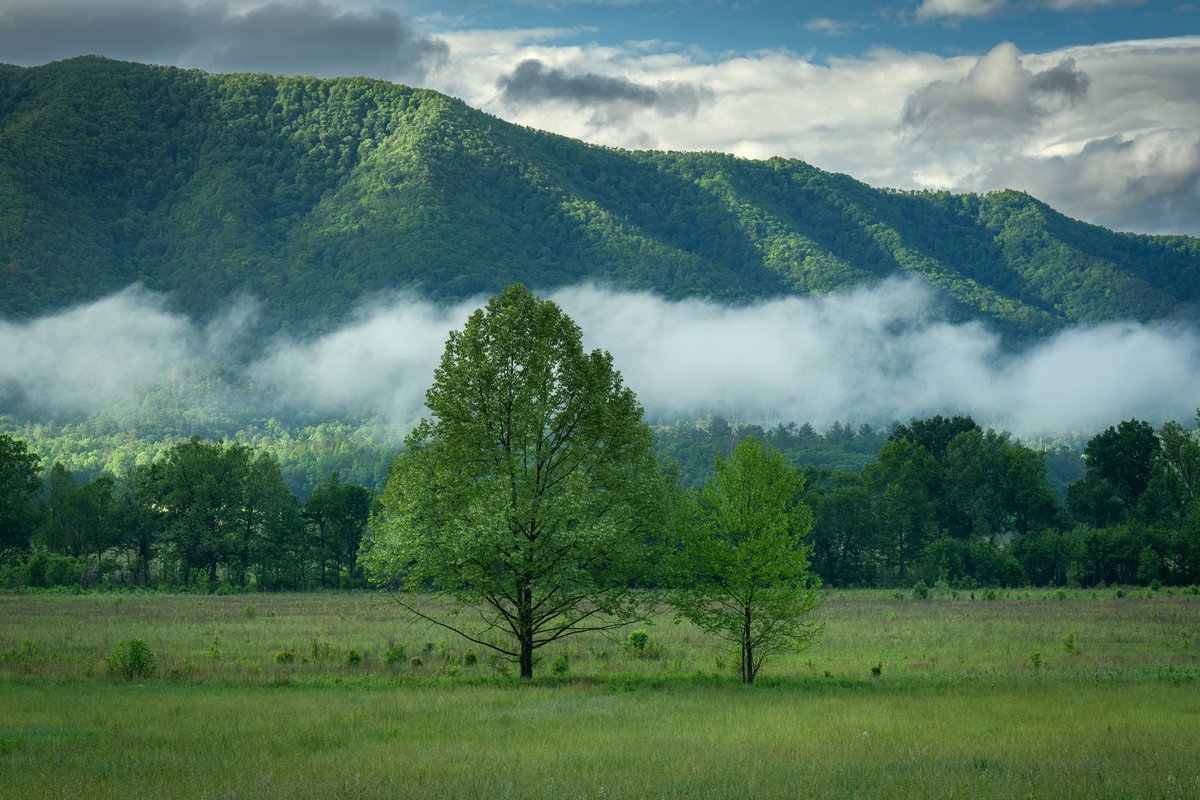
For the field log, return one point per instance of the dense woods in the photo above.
(310, 194)
(934, 501)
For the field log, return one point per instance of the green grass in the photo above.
(240, 638)
(958, 710)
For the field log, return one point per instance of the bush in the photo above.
(133, 659)
(560, 665)
(470, 659)
(394, 655)
(285, 657)
(353, 658)
(920, 591)
(637, 642)
(45, 569)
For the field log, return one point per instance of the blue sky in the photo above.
(1090, 105)
(834, 27)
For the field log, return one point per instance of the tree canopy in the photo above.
(532, 493)
(745, 563)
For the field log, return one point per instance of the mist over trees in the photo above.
(937, 500)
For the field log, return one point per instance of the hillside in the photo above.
(311, 193)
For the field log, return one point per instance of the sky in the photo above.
(1090, 105)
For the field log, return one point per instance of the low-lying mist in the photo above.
(874, 355)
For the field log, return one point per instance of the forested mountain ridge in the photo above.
(311, 193)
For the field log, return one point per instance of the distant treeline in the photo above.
(934, 500)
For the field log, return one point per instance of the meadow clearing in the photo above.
(1036, 693)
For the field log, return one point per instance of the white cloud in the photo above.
(975, 123)
(833, 27)
(957, 9)
(93, 356)
(874, 355)
(998, 99)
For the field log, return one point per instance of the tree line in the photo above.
(940, 499)
(211, 515)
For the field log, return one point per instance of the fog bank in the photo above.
(874, 355)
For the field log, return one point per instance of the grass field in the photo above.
(960, 708)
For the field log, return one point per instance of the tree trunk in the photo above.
(747, 651)
(525, 634)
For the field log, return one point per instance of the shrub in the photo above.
(470, 659)
(353, 658)
(415, 661)
(251, 612)
(285, 657)
(45, 569)
(395, 654)
(133, 659)
(637, 641)
(920, 591)
(877, 670)
(560, 665)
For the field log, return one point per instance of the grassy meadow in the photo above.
(1033, 694)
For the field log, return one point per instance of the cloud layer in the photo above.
(1101, 132)
(874, 355)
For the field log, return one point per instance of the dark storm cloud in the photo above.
(315, 39)
(310, 38)
(532, 82)
(999, 98)
(144, 31)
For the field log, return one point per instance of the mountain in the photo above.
(310, 194)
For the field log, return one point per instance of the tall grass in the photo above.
(957, 709)
(161, 739)
(261, 638)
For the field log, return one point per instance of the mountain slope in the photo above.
(311, 193)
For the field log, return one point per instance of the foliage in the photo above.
(533, 488)
(133, 659)
(338, 513)
(744, 567)
(311, 193)
(19, 484)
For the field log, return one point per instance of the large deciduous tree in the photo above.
(531, 494)
(745, 561)
(20, 481)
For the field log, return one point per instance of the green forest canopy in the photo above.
(313, 193)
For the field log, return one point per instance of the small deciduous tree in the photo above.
(744, 561)
(531, 495)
